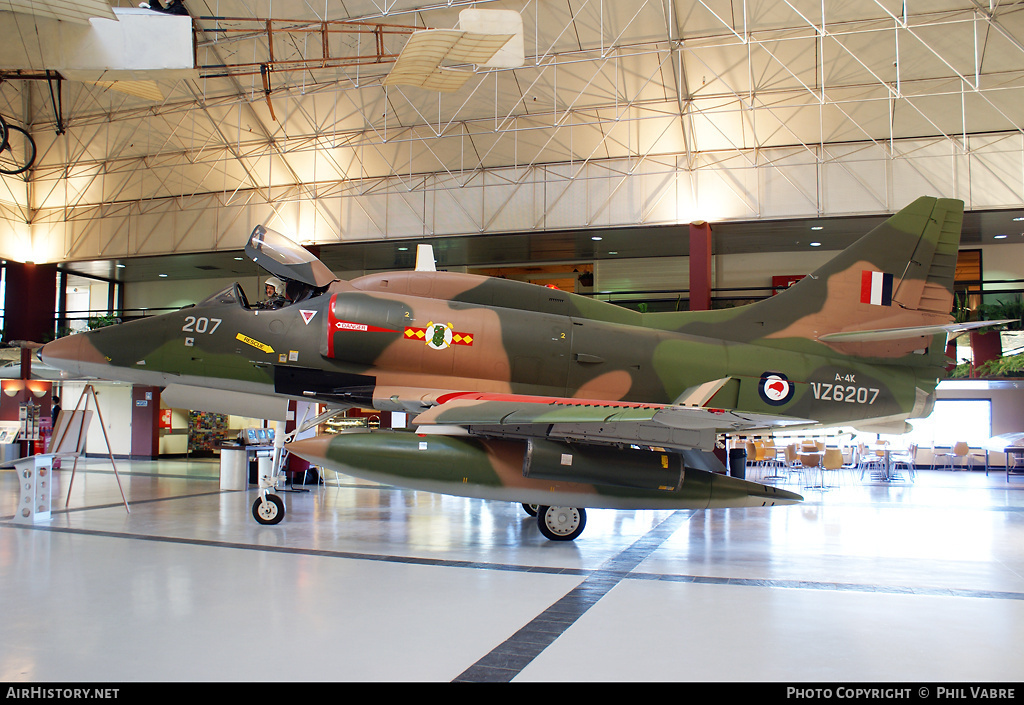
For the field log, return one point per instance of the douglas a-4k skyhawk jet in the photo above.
(528, 394)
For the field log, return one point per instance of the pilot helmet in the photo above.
(277, 284)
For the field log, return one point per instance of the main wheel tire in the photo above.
(531, 509)
(268, 510)
(561, 523)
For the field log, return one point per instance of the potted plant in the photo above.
(985, 342)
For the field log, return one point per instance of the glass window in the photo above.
(954, 420)
(232, 294)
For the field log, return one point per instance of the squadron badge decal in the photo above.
(439, 335)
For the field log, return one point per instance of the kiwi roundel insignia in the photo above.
(775, 388)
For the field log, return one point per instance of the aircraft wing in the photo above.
(664, 425)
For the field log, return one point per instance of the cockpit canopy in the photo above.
(284, 258)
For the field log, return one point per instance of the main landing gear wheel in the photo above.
(531, 509)
(561, 523)
(268, 509)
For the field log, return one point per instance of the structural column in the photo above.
(700, 266)
(30, 299)
(145, 422)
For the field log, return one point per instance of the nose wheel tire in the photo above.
(561, 523)
(268, 509)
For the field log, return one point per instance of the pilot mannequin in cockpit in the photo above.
(275, 293)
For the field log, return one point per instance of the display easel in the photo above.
(77, 423)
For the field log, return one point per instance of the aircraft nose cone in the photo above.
(68, 353)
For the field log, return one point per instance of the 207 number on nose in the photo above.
(201, 324)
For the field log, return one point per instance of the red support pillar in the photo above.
(700, 266)
(145, 422)
(31, 297)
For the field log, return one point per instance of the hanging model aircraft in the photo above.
(528, 394)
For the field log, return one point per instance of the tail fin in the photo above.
(885, 296)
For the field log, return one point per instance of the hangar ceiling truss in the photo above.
(623, 113)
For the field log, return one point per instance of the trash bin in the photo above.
(738, 462)
(232, 468)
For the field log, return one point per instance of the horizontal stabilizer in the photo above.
(858, 336)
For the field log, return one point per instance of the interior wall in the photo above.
(115, 405)
(170, 293)
(661, 273)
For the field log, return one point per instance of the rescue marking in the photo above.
(255, 343)
(307, 316)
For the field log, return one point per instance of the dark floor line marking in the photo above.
(617, 567)
(132, 503)
(323, 553)
(833, 587)
(509, 658)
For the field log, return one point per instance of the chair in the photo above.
(955, 455)
(869, 461)
(831, 462)
(811, 462)
(907, 458)
(751, 454)
(793, 463)
(772, 462)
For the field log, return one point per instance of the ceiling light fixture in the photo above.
(596, 238)
(998, 237)
(815, 244)
(817, 227)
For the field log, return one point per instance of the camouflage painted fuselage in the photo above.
(410, 340)
(373, 342)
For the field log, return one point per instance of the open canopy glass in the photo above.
(286, 259)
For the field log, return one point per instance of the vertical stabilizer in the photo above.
(898, 276)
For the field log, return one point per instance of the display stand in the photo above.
(34, 476)
(75, 427)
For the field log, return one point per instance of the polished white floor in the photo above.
(904, 582)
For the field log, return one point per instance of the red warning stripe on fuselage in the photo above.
(337, 325)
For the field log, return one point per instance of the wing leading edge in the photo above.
(593, 421)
